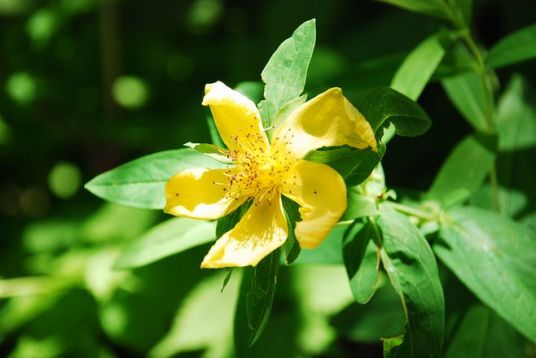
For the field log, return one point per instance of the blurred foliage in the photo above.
(89, 84)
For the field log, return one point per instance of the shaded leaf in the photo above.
(166, 239)
(140, 183)
(436, 8)
(516, 47)
(467, 94)
(463, 172)
(330, 250)
(411, 267)
(362, 261)
(384, 105)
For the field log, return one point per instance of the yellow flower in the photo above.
(264, 171)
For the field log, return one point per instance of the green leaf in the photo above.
(140, 183)
(418, 67)
(494, 257)
(359, 205)
(362, 261)
(354, 165)
(291, 247)
(213, 131)
(467, 94)
(286, 71)
(464, 171)
(211, 150)
(382, 316)
(516, 47)
(411, 267)
(384, 105)
(481, 333)
(436, 8)
(330, 250)
(255, 300)
(166, 239)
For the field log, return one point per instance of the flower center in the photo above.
(257, 174)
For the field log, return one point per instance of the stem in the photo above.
(488, 112)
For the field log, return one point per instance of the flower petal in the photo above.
(236, 117)
(200, 194)
(327, 120)
(260, 231)
(321, 193)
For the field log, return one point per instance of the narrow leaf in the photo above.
(494, 257)
(362, 261)
(411, 267)
(467, 94)
(418, 67)
(516, 47)
(464, 171)
(384, 105)
(140, 183)
(434, 8)
(166, 239)
(286, 71)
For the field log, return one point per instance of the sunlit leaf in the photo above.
(494, 257)
(411, 267)
(140, 183)
(166, 239)
(286, 71)
(516, 47)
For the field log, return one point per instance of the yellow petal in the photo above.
(260, 231)
(327, 120)
(236, 117)
(201, 194)
(321, 193)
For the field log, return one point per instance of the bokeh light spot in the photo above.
(130, 92)
(64, 180)
(21, 87)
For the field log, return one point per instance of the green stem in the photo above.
(488, 112)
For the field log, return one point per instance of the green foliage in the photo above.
(463, 172)
(411, 267)
(166, 239)
(140, 183)
(383, 105)
(82, 279)
(494, 257)
(419, 66)
(286, 71)
(362, 261)
(516, 47)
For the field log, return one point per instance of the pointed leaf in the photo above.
(464, 171)
(140, 183)
(516, 47)
(419, 66)
(286, 71)
(166, 239)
